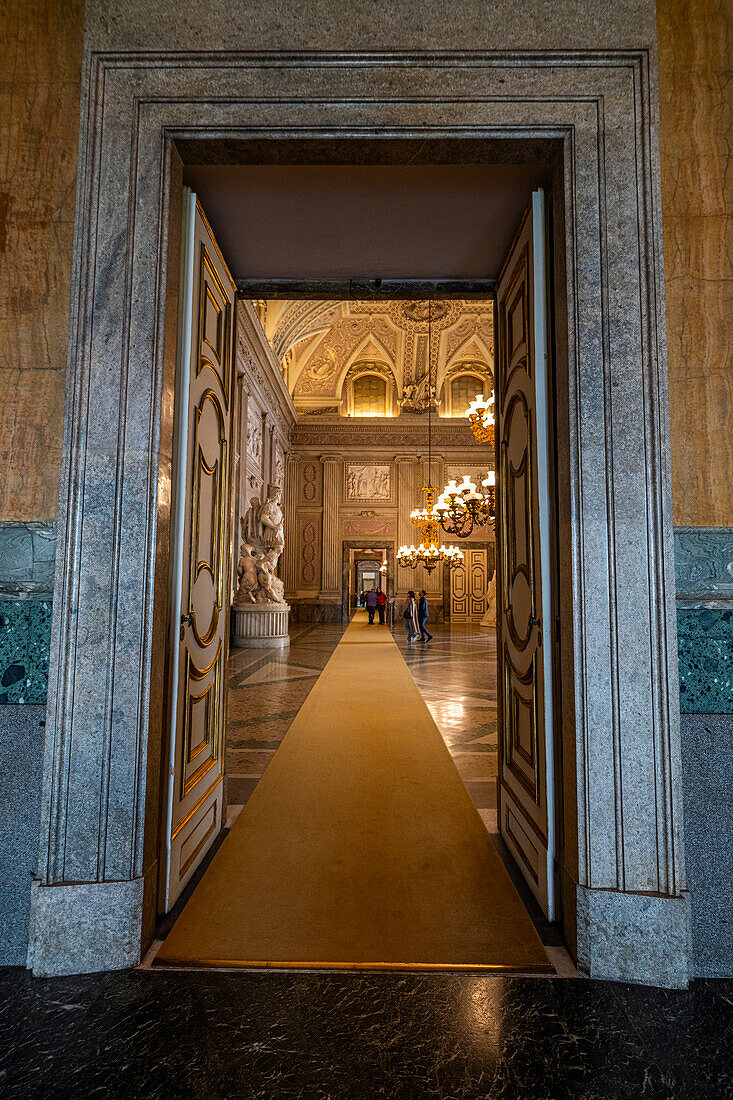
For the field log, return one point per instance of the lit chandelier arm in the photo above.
(460, 507)
(481, 419)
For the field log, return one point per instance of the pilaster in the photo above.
(330, 549)
(407, 469)
(290, 553)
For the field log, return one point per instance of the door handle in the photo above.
(537, 623)
(185, 620)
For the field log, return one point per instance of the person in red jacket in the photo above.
(381, 605)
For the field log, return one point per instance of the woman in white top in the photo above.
(409, 614)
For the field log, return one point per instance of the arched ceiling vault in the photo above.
(318, 341)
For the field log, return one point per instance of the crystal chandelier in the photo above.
(429, 553)
(481, 419)
(461, 508)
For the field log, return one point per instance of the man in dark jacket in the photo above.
(422, 616)
(371, 602)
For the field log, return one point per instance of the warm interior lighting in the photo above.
(481, 418)
(427, 521)
(460, 508)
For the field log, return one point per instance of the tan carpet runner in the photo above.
(360, 846)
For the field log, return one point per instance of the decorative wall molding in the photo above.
(310, 481)
(703, 562)
(267, 379)
(386, 434)
(27, 555)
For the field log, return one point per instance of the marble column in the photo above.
(330, 548)
(290, 553)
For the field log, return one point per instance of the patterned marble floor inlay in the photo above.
(455, 672)
(266, 689)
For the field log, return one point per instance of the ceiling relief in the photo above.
(321, 342)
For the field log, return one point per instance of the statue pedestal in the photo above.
(260, 625)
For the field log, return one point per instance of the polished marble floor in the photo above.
(323, 1036)
(456, 674)
(215, 1036)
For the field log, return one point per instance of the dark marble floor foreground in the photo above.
(220, 1035)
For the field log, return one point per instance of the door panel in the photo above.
(199, 638)
(526, 787)
(468, 587)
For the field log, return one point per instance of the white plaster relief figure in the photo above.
(254, 433)
(368, 482)
(263, 541)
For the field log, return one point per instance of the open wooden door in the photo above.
(200, 554)
(526, 779)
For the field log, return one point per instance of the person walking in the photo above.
(371, 603)
(381, 605)
(409, 614)
(423, 612)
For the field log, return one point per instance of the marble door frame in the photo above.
(625, 902)
(347, 545)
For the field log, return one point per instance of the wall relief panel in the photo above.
(254, 433)
(368, 482)
(310, 552)
(310, 481)
(369, 524)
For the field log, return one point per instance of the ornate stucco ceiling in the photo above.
(320, 342)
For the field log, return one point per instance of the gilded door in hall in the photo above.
(468, 583)
(526, 809)
(200, 602)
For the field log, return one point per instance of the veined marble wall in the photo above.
(696, 118)
(39, 92)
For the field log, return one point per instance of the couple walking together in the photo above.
(415, 613)
(376, 601)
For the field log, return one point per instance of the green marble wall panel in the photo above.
(705, 645)
(703, 558)
(25, 638)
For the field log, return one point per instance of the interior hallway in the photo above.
(456, 675)
(360, 846)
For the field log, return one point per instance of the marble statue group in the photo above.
(262, 544)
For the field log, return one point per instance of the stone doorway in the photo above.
(353, 551)
(93, 904)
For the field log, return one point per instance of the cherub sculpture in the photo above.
(270, 586)
(246, 572)
(262, 545)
